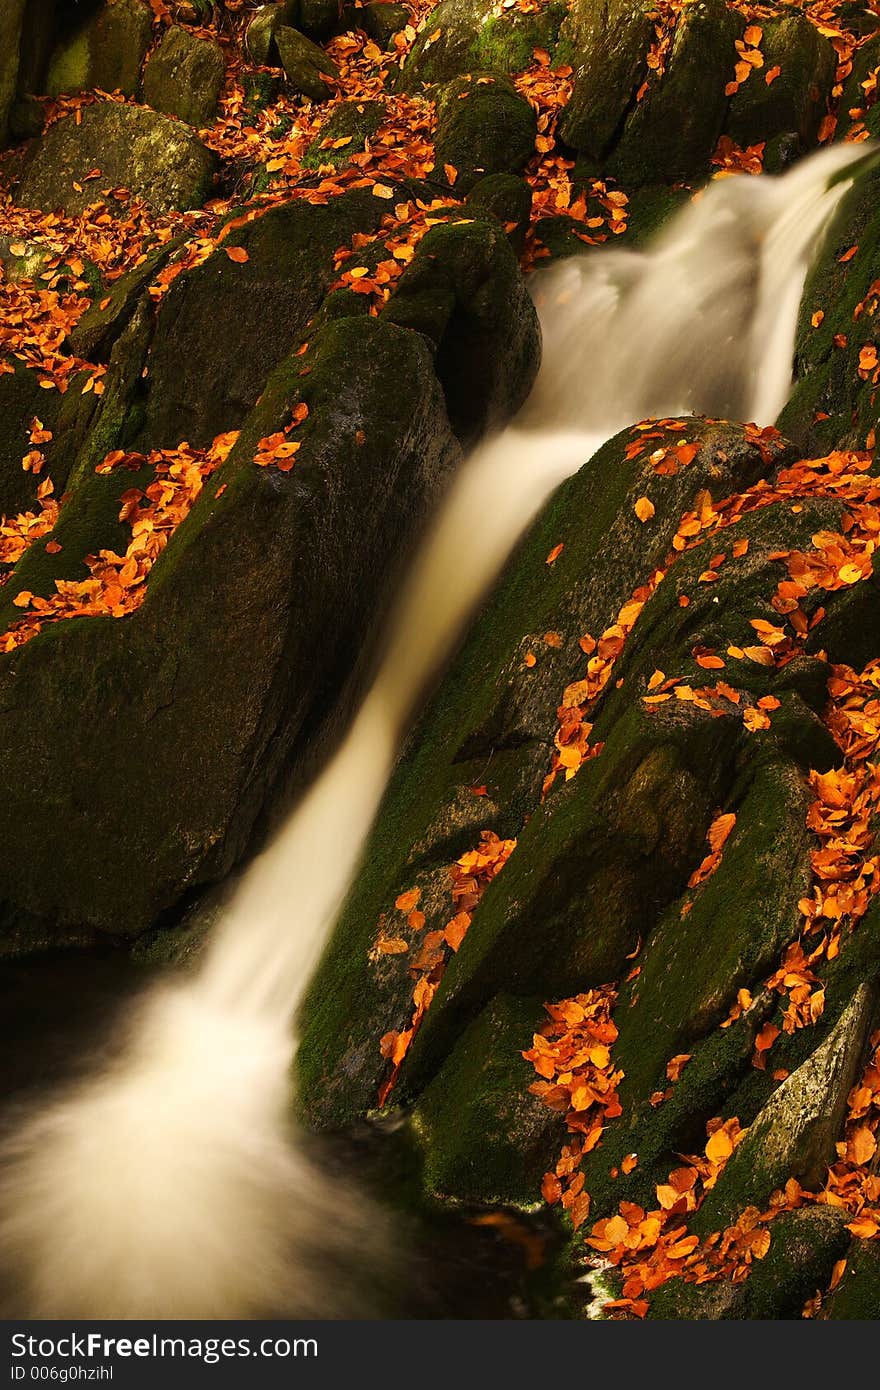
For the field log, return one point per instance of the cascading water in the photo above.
(171, 1185)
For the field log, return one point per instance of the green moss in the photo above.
(650, 209)
(610, 62)
(159, 159)
(804, 1246)
(484, 127)
(738, 922)
(858, 1294)
(827, 380)
(592, 869)
(471, 37)
(796, 101)
(677, 1301)
(70, 66)
(507, 199)
(382, 20)
(105, 52)
(795, 1132)
(260, 89)
(485, 1137)
(355, 122)
(184, 76)
(305, 64)
(508, 47)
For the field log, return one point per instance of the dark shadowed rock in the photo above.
(106, 52)
(260, 33)
(23, 400)
(10, 33)
(184, 76)
(162, 735)
(382, 19)
(319, 18)
(197, 387)
(464, 291)
(156, 158)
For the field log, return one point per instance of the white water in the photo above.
(171, 1185)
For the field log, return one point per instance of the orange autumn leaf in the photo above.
(238, 254)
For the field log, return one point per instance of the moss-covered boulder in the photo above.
(106, 52)
(461, 36)
(196, 387)
(156, 158)
(508, 200)
(184, 76)
(858, 103)
(833, 403)
(697, 962)
(804, 1246)
(484, 127)
(348, 130)
(671, 133)
(464, 292)
(261, 29)
(477, 760)
(608, 47)
(10, 35)
(796, 99)
(310, 72)
(485, 1138)
(163, 734)
(39, 33)
(858, 1294)
(795, 1133)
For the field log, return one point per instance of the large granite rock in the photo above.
(184, 76)
(156, 158)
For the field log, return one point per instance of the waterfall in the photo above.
(170, 1184)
